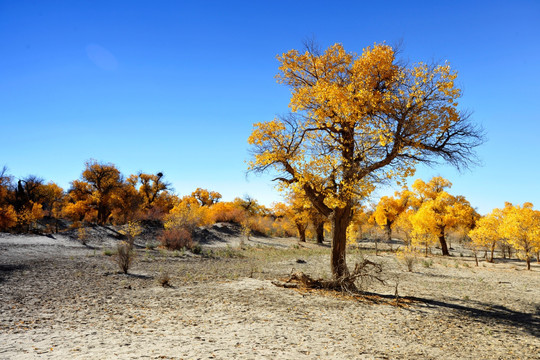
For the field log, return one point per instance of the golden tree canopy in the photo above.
(358, 119)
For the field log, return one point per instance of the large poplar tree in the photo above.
(356, 120)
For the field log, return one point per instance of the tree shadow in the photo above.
(7, 269)
(483, 312)
(114, 233)
(128, 275)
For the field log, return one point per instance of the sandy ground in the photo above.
(59, 300)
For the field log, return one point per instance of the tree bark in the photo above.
(301, 232)
(444, 247)
(341, 220)
(319, 230)
(388, 228)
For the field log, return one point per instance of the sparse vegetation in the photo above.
(427, 263)
(124, 256)
(164, 278)
(176, 239)
(82, 235)
(408, 257)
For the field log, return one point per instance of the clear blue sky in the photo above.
(175, 86)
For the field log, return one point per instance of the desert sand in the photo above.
(60, 299)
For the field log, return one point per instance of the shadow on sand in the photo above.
(488, 314)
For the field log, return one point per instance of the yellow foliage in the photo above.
(30, 214)
(403, 226)
(80, 211)
(188, 214)
(205, 197)
(353, 234)
(227, 212)
(8, 217)
(389, 208)
(439, 212)
(132, 230)
(408, 256)
(358, 119)
(487, 233)
(521, 228)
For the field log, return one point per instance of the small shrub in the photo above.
(149, 257)
(176, 239)
(82, 235)
(132, 230)
(227, 212)
(408, 257)
(246, 232)
(196, 249)
(124, 256)
(108, 252)
(178, 253)
(427, 263)
(164, 278)
(150, 245)
(227, 252)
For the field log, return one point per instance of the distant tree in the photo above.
(80, 205)
(318, 221)
(187, 215)
(283, 225)
(8, 215)
(299, 212)
(95, 191)
(404, 226)
(439, 211)
(390, 208)
(53, 201)
(126, 203)
(250, 205)
(152, 185)
(487, 232)
(205, 197)
(521, 228)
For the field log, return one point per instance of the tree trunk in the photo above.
(341, 220)
(319, 230)
(444, 247)
(301, 232)
(388, 230)
(101, 214)
(528, 262)
(492, 251)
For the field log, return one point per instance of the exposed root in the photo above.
(363, 273)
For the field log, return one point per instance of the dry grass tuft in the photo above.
(124, 256)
